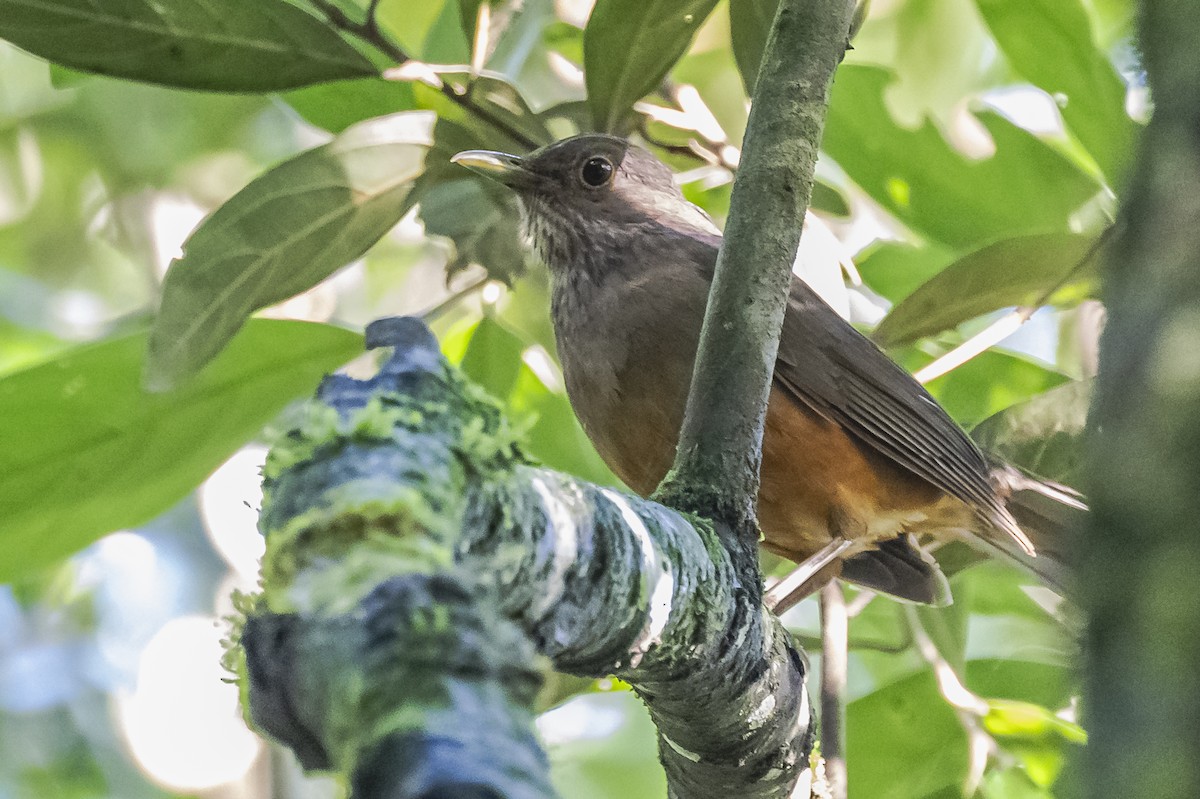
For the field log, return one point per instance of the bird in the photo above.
(859, 461)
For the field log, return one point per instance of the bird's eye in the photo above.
(596, 171)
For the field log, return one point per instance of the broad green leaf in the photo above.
(904, 741)
(483, 226)
(1043, 434)
(937, 58)
(1013, 718)
(84, 451)
(749, 24)
(990, 382)
(1024, 187)
(281, 235)
(1021, 680)
(1028, 270)
(493, 358)
(1049, 42)
(947, 626)
(628, 48)
(895, 269)
(828, 199)
(338, 105)
(1011, 783)
(446, 42)
(217, 45)
(408, 23)
(21, 347)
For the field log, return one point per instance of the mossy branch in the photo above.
(416, 563)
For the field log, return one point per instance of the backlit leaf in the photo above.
(85, 451)
(749, 24)
(1049, 42)
(281, 235)
(1043, 434)
(1028, 270)
(1024, 187)
(628, 48)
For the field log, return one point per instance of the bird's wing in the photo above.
(836, 371)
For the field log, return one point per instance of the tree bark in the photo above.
(1141, 551)
(415, 562)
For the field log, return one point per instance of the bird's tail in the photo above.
(1047, 512)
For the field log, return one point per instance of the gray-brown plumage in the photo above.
(854, 448)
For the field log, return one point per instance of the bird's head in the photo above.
(588, 200)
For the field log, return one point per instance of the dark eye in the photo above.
(596, 171)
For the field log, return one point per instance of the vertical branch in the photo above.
(716, 466)
(1142, 687)
(835, 651)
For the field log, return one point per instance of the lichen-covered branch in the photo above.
(1137, 570)
(611, 584)
(415, 563)
(717, 463)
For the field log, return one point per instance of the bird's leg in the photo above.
(799, 583)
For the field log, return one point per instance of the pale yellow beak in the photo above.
(491, 164)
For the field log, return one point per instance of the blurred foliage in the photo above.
(972, 156)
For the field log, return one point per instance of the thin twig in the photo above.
(969, 707)
(835, 637)
(455, 298)
(369, 32)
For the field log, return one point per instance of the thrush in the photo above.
(857, 458)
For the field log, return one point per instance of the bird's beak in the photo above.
(507, 169)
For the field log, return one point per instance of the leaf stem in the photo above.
(369, 32)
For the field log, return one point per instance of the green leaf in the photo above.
(1050, 44)
(890, 730)
(749, 24)
(628, 48)
(446, 41)
(829, 199)
(1008, 717)
(1025, 187)
(338, 105)
(217, 45)
(896, 269)
(1043, 434)
(284, 233)
(483, 227)
(947, 626)
(1029, 270)
(990, 382)
(493, 358)
(468, 15)
(1022, 680)
(84, 451)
